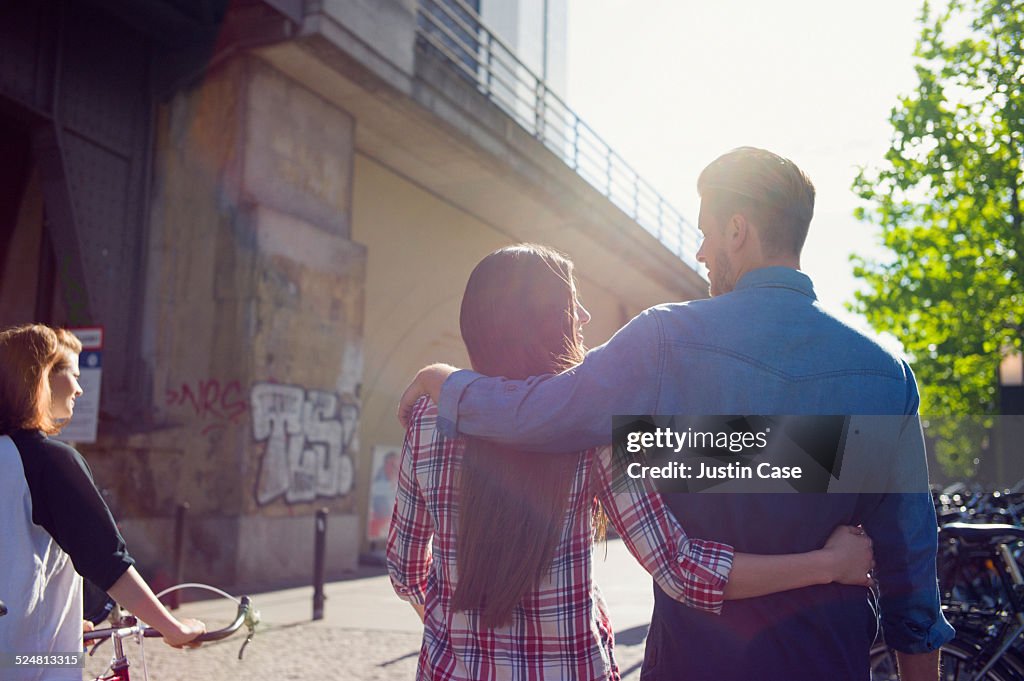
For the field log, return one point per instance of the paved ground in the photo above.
(367, 634)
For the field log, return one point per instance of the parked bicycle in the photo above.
(983, 598)
(960, 503)
(128, 627)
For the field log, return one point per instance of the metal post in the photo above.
(636, 197)
(179, 552)
(575, 143)
(319, 555)
(661, 219)
(490, 60)
(608, 171)
(540, 113)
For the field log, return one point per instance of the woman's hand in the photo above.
(850, 556)
(180, 636)
(131, 591)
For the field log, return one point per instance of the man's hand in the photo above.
(428, 382)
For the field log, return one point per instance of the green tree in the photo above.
(948, 202)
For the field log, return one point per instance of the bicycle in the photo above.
(983, 598)
(128, 627)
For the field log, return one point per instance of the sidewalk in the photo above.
(367, 633)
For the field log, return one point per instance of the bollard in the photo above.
(179, 553)
(319, 559)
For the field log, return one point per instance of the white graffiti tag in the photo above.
(310, 437)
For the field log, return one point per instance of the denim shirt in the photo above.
(768, 348)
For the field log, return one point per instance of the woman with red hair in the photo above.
(56, 527)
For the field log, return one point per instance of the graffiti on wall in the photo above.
(310, 441)
(214, 403)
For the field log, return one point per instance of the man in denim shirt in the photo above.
(761, 345)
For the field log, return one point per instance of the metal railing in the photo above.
(453, 30)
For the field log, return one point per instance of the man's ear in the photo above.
(737, 232)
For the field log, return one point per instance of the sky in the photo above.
(672, 84)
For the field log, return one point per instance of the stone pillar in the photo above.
(255, 305)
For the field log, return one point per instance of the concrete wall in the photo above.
(420, 252)
(255, 311)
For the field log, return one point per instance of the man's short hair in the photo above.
(771, 191)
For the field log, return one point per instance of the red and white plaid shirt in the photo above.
(560, 630)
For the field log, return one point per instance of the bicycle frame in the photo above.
(119, 665)
(1016, 583)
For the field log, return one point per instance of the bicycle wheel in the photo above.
(959, 661)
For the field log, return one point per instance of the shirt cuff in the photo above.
(917, 633)
(410, 594)
(451, 395)
(107, 575)
(709, 563)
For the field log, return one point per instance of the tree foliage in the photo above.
(948, 202)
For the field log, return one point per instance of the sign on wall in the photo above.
(383, 489)
(82, 427)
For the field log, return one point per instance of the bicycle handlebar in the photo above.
(244, 608)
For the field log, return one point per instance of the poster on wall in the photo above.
(383, 489)
(82, 427)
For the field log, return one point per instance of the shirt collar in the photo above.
(777, 277)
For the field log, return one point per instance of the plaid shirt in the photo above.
(560, 630)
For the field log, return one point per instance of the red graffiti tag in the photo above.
(210, 401)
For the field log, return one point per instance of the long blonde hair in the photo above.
(28, 354)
